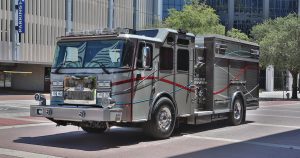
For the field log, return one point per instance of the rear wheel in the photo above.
(237, 114)
(93, 130)
(162, 121)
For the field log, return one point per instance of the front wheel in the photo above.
(93, 130)
(162, 120)
(237, 114)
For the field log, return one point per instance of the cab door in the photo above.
(145, 75)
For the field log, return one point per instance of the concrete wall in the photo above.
(33, 81)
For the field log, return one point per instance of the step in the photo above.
(202, 113)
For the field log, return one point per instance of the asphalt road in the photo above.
(273, 131)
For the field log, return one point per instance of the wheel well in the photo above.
(161, 96)
(238, 95)
(242, 98)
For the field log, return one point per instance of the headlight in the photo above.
(103, 98)
(57, 83)
(57, 93)
(104, 84)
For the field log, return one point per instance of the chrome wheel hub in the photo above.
(164, 118)
(237, 110)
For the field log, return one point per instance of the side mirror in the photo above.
(40, 98)
(146, 57)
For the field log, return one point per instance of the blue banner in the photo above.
(21, 16)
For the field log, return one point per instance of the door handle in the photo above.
(138, 76)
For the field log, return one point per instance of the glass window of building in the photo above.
(169, 4)
(247, 13)
(280, 8)
(5, 80)
(221, 7)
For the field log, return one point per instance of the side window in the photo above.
(139, 62)
(166, 58)
(183, 60)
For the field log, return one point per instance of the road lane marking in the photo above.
(292, 117)
(279, 110)
(4, 109)
(23, 154)
(286, 108)
(246, 142)
(28, 125)
(274, 125)
(14, 106)
(279, 105)
(26, 119)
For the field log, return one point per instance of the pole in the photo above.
(14, 32)
(230, 14)
(134, 14)
(266, 8)
(4, 80)
(154, 2)
(282, 85)
(299, 7)
(69, 15)
(110, 13)
(159, 10)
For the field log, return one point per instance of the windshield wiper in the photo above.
(102, 66)
(61, 65)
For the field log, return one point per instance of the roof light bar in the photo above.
(104, 31)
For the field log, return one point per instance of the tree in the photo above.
(196, 18)
(280, 42)
(235, 33)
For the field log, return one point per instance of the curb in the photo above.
(277, 99)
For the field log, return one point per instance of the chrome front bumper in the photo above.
(76, 113)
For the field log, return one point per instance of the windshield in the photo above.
(94, 54)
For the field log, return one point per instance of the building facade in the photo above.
(26, 58)
(242, 14)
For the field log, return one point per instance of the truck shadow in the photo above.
(285, 144)
(115, 138)
(184, 129)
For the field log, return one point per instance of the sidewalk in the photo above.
(275, 95)
(18, 95)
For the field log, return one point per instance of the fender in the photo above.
(156, 98)
(235, 95)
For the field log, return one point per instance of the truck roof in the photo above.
(155, 35)
(200, 38)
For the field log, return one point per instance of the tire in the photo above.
(162, 120)
(93, 130)
(236, 116)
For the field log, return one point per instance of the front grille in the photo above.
(80, 88)
(79, 95)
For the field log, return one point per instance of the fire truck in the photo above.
(152, 78)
